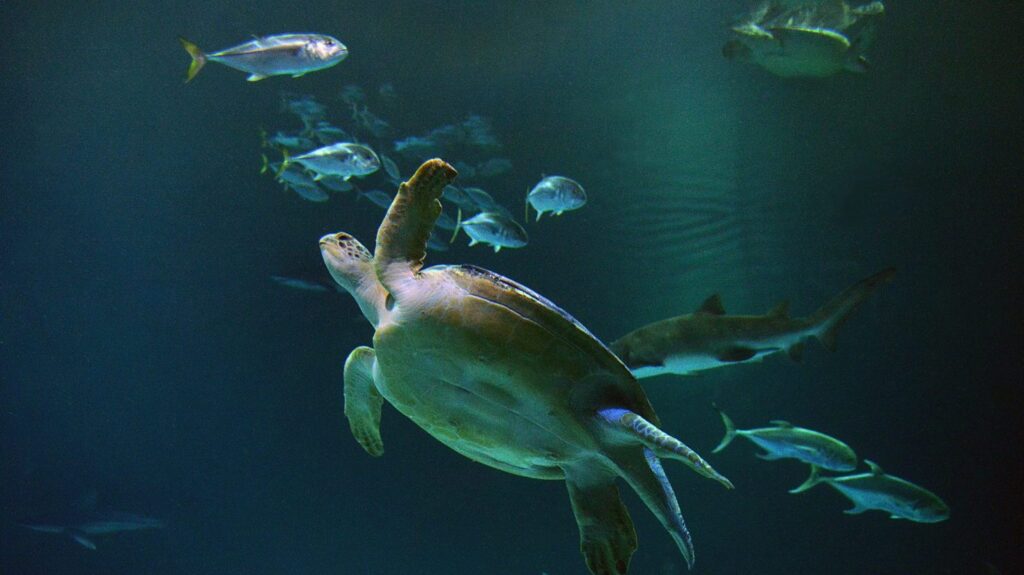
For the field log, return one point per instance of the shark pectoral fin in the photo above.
(796, 352)
(736, 354)
(80, 538)
(362, 400)
(856, 510)
(607, 536)
(767, 456)
(255, 77)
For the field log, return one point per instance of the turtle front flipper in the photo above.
(402, 237)
(362, 400)
(607, 537)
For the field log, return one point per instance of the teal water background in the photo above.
(145, 353)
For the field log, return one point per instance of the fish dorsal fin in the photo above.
(781, 423)
(712, 306)
(781, 310)
(876, 469)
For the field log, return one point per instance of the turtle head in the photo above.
(351, 266)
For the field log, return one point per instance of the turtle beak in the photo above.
(328, 239)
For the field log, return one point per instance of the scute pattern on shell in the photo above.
(510, 286)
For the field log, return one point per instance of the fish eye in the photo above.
(329, 42)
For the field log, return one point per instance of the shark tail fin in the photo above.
(831, 316)
(813, 479)
(730, 431)
(198, 58)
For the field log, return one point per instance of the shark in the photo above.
(83, 527)
(710, 339)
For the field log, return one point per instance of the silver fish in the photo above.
(495, 229)
(556, 194)
(875, 489)
(787, 441)
(335, 184)
(480, 198)
(352, 94)
(378, 197)
(391, 168)
(370, 122)
(310, 193)
(300, 283)
(292, 176)
(485, 203)
(283, 54)
(493, 167)
(328, 134)
(459, 197)
(344, 159)
(305, 107)
(417, 147)
(290, 141)
(446, 222)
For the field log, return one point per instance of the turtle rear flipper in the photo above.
(402, 237)
(642, 470)
(362, 400)
(607, 536)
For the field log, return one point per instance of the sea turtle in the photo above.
(805, 39)
(503, 376)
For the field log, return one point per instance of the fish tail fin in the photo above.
(286, 160)
(198, 58)
(813, 479)
(831, 316)
(730, 430)
(458, 224)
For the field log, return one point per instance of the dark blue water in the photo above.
(147, 357)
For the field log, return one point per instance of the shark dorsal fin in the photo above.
(781, 423)
(712, 306)
(875, 468)
(781, 310)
